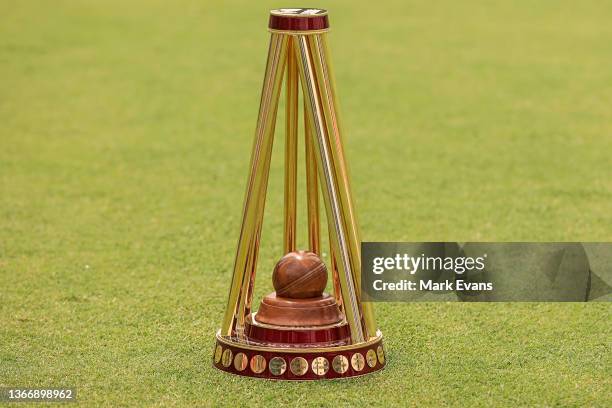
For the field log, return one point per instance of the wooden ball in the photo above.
(300, 275)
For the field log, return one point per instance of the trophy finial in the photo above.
(298, 19)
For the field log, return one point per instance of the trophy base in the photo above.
(337, 334)
(298, 363)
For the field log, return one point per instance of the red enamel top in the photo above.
(298, 19)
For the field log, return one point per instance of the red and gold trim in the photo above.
(298, 19)
(298, 363)
(324, 336)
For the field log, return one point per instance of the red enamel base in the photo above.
(278, 363)
(336, 335)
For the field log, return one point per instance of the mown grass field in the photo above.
(125, 135)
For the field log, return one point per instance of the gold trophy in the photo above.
(299, 332)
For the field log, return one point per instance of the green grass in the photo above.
(125, 134)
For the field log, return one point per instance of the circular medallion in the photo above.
(371, 358)
(381, 354)
(258, 364)
(226, 360)
(278, 366)
(240, 361)
(218, 352)
(340, 364)
(320, 366)
(298, 366)
(298, 12)
(357, 361)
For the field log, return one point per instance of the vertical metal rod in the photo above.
(336, 278)
(291, 133)
(312, 189)
(325, 81)
(328, 176)
(241, 290)
(312, 197)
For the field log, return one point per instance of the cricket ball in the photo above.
(300, 275)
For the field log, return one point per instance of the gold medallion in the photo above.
(258, 364)
(381, 354)
(320, 366)
(357, 361)
(226, 360)
(278, 365)
(240, 361)
(218, 352)
(371, 357)
(298, 366)
(340, 364)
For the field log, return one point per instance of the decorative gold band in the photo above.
(297, 350)
(299, 364)
(289, 32)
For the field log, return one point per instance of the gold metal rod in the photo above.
(241, 290)
(312, 190)
(327, 174)
(325, 82)
(291, 133)
(312, 196)
(336, 279)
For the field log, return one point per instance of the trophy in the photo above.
(299, 332)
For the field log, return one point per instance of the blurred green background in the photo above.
(125, 135)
